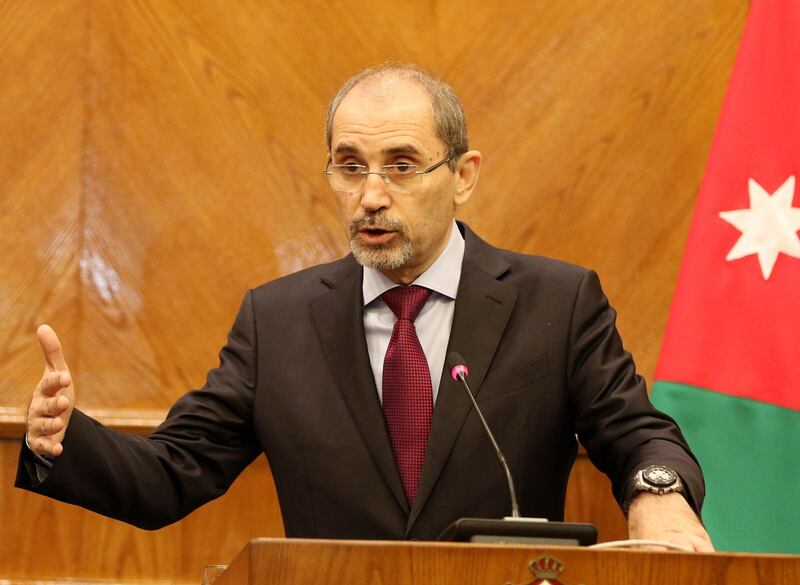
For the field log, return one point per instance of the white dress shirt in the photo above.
(434, 322)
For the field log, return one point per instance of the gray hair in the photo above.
(449, 121)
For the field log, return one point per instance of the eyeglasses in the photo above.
(399, 177)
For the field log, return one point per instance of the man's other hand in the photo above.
(53, 398)
(667, 517)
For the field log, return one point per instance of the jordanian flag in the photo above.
(729, 369)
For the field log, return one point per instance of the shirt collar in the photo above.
(442, 277)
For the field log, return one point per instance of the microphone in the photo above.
(459, 372)
(511, 529)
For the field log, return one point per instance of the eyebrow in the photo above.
(402, 149)
(346, 148)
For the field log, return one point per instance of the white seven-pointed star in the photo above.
(768, 227)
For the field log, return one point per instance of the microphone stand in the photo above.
(514, 528)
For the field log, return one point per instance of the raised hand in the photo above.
(53, 398)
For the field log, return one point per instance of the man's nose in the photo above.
(375, 193)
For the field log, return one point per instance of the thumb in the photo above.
(51, 348)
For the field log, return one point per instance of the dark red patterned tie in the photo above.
(407, 390)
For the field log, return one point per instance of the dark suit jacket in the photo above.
(294, 381)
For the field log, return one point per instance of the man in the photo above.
(337, 372)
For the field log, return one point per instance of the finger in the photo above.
(46, 446)
(44, 426)
(53, 382)
(47, 426)
(51, 347)
(55, 406)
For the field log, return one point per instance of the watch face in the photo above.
(659, 476)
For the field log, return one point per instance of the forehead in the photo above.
(378, 115)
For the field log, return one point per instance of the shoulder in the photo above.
(543, 266)
(307, 284)
(515, 267)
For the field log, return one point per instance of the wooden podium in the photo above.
(303, 562)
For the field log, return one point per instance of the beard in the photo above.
(390, 256)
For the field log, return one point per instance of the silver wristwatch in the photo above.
(657, 479)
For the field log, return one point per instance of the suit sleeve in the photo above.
(614, 419)
(191, 458)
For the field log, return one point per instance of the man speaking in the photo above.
(337, 373)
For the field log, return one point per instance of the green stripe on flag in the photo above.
(750, 455)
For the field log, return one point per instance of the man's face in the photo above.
(400, 233)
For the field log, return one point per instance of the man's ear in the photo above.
(467, 173)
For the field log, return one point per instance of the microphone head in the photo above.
(456, 365)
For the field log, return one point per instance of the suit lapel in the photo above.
(483, 307)
(338, 317)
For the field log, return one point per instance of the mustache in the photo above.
(376, 221)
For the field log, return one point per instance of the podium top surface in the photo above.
(301, 561)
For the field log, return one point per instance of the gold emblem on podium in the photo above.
(545, 571)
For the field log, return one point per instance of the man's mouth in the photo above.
(375, 230)
(376, 235)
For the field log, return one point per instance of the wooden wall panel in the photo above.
(42, 72)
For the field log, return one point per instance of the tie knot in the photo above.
(406, 301)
